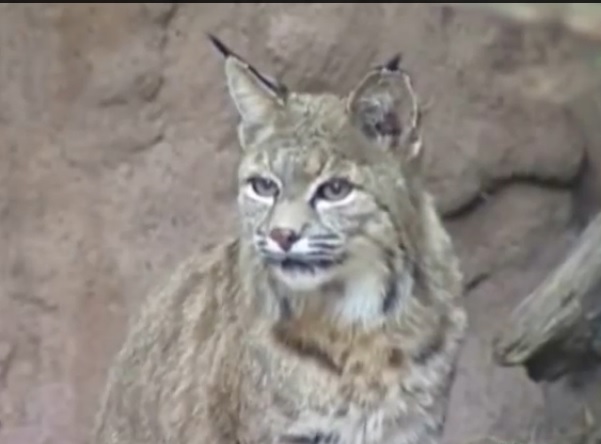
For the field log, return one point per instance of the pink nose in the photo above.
(284, 237)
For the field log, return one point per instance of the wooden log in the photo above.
(562, 315)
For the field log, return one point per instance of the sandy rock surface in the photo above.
(118, 153)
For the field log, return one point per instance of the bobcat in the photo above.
(334, 315)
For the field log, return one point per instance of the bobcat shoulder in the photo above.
(335, 313)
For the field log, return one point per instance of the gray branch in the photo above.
(566, 304)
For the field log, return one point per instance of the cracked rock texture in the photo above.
(118, 154)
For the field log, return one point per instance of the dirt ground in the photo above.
(118, 153)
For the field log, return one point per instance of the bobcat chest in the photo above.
(325, 387)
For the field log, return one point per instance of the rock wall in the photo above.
(117, 160)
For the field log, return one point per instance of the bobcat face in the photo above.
(320, 176)
(307, 212)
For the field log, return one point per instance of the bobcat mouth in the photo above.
(303, 272)
(297, 265)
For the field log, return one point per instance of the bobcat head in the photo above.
(327, 183)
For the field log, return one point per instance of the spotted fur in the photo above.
(333, 316)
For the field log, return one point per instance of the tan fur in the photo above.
(239, 349)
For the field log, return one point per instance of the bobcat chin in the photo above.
(334, 315)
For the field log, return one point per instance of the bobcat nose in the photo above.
(284, 237)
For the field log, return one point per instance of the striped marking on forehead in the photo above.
(298, 165)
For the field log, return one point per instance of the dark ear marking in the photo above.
(385, 107)
(389, 125)
(277, 87)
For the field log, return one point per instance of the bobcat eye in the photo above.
(335, 189)
(263, 186)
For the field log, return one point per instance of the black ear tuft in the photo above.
(277, 87)
(220, 46)
(394, 63)
(224, 50)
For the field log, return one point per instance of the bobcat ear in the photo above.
(257, 97)
(385, 108)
